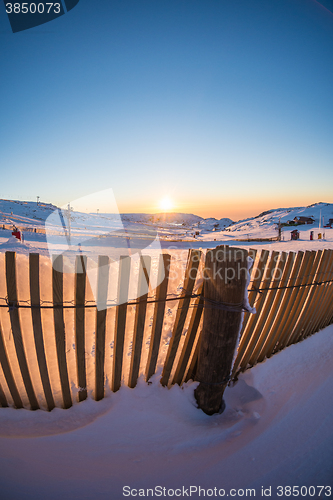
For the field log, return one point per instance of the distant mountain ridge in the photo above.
(31, 214)
(174, 218)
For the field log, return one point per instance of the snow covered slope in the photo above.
(269, 219)
(24, 213)
(169, 226)
(30, 216)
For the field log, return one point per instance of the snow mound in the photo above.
(15, 245)
(277, 429)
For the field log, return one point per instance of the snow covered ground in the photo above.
(277, 430)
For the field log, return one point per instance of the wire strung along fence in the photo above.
(55, 351)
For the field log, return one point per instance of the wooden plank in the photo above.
(37, 328)
(297, 313)
(7, 371)
(257, 272)
(307, 300)
(323, 274)
(325, 295)
(16, 328)
(3, 400)
(158, 318)
(121, 313)
(80, 297)
(329, 308)
(102, 296)
(251, 334)
(190, 338)
(193, 366)
(279, 305)
(140, 316)
(273, 303)
(294, 302)
(226, 276)
(330, 318)
(257, 275)
(59, 328)
(263, 319)
(329, 304)
(252, 253)
(298, 302)
(328, 311)
(190, 277)
(282, 312)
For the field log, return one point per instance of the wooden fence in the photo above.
(55, 352)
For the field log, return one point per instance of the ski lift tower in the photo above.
(37, 201)
(279, 230)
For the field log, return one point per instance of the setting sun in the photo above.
(166, 204)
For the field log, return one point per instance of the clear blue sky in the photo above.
(226, 106)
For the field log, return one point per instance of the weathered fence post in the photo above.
(225, 278)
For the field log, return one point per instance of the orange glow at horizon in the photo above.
(232, 209)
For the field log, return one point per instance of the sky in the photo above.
(223, 106)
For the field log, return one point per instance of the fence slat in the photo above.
(311, 302)
(16, 328)
(330, 318)
(190, 277)
(325, 295)
(121, 313)
(268, 331)
(140, 316)
(37, 328)
(7, 371)
(328, 309)
(257, 275)
(295, 312)
(251, 333)
(193, 366)
(282, 312)
(305, 293)
(294, 302)
(329, 302)
(318, 293)
(80, 295)
(161, 294)
(252, 252)
(59, 328)
(102, 296)
(272, 303)
(318, 296)
(3, 400)
(190, 338)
